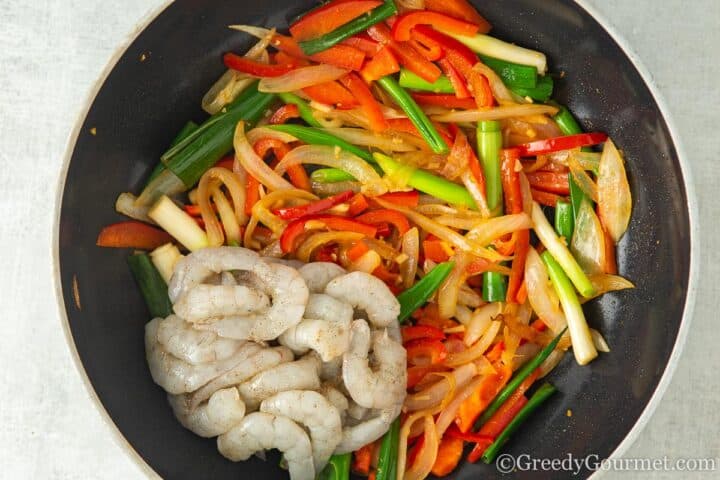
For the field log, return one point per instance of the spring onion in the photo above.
(569, 126)
(494, 287)
(318, 136)
(564, 220)
(152, 286)
(331, 175)
(560, 252)
(542, 394)
(417, 295)
(412, 81)
(377, 15)
(415, 114)
(513, 75)
(492, 47)
(541, 92)
(426, 182)
(582, 342)
(387, 460)
(184, 132)
(337, 468)
(178, 224)
(164, 258)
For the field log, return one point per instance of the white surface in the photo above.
(51, 53)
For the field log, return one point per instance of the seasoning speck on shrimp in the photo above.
(222, 411)
(367, 293)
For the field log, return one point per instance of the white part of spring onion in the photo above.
(125, 205)
(178, 224)
(301, 78)
(560, 252)
(164, 258)
(492, 47)
(599, 341)
(496, 113)
(167, 183)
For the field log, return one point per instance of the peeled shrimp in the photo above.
(262, 431)
(259, 362)
(180, 339)
(177, 376)
(205, 301)
(366, 292)
(325, 328)
(299, 375)
(356, 436)
(383, 387)
(318, 274)
(223, 411)
(316, 413)
(336, 398)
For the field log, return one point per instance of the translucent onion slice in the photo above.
(263, 132)
(410, 246)
(604, 283)
(494, 228)
(588, 241)
(450, 288)
(262, 210)
(448, 414)
(480, 322)
(541, 294)
(599, 341)
(496, 113)
(301, 78)
(582, 179)
(499, 90)
(306, 249)
(614, 198)
(478, 349)
(424, 461)
(386, 142)
(253, 164)
(434, 394)
(126, 205)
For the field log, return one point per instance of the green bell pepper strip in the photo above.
(564, 220)
(152, 286)
(426, 182)
(357, 25)
(387, 460)
(187, 129)
(200, 150)
(306, 112)
(318, 136)
(412, 81)
(337, 468)
(415, 114)
(538, 398)
(417, 295)
(582, 342)
(517, 379)
(541, 92)
(569, 126)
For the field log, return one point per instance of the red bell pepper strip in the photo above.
(410, 198)
(132, 234)
(431, 53)
(331, 93)
(417, 373)
(297, 174)
(343, 56)
(226, 162)
(330, 16)
(331, 222)
(514, 204)
(357, 205)
(293, 213)
(284, 113)
(461, 9)
(356, 251)
(369, 105)
(192, 210)
(401, 30)
(508, 415)
(549, 182)
(436, 251)
(545, 198)
(362, 459)
(253, 67)
(424, 352)
(252, 193)
(364, 43)
(454, 431)
(282, 58)
(405, 53)
(416, 332)
(407, 126)
(471, 408)
(448, 456)
(382, 215)
(550, 145)
(457, 80)
(326, 253)
(449, 101)
(383, 63)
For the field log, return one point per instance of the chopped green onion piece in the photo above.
(541, 92)
(417, 295)
(187, 129)
(514, 75)
(490, 141)
(494, 287)
(152, 286)
(387, 460)
(568, 125)
(179, 224)
(306, 113)
(492, 47)
(415, 114)
(564, 220)
(331, 175)
(337, 468)
(318, 136)
(412, 81)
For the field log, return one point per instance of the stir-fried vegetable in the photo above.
(434, 159)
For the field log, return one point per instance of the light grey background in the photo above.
(51, 53)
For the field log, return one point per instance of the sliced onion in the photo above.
(387, 142)
(614, 198)
(587, 160)
(262, 210)
(447, 416)
(434, 394)
(444, 233)
(524, 353)
(463, 315)
(526, 193)
(494, 228)
(468, 297)
(499, 90)
(411, 5)
(425, 460)
(301, 78)
(410, 246)
(588, 241)
(450, 288)
(253, 164)
(582, 179)
(599, 341)
(511, 341)
(367, 263)
(317, 240)
(604, 283)
(478, 349)
(263, 132)
(496, 113)
(253, 30)
(480, 322)
(551, 362)
(225, 90)
(476, 192)
(126, 205)
(541, 294)
(440, 209)
(330, 157)
(328, 189)
(232, 217)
